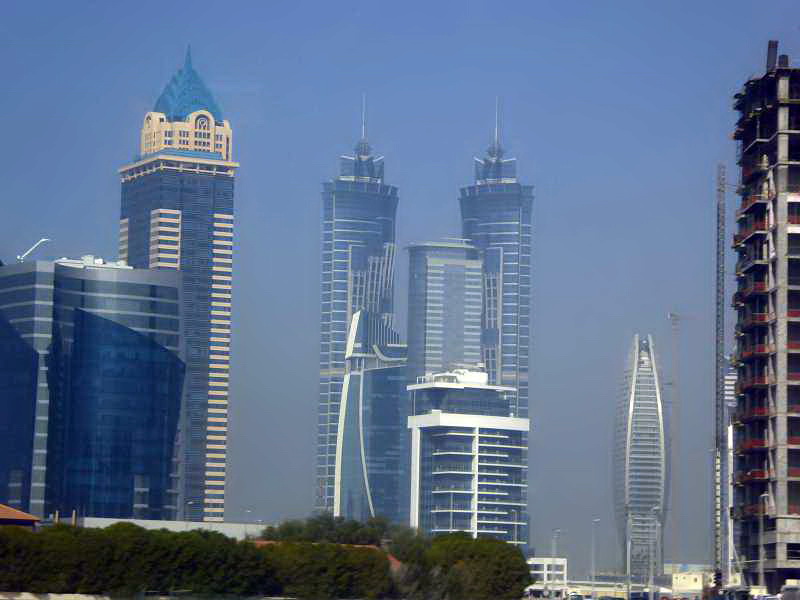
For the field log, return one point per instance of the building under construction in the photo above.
(767, 300)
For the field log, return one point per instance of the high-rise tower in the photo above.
(767, 300)
(496, 214)
(358, 246)
(177, 213)
(445, 286)
(640, 464)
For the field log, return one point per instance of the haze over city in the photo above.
(617, 115)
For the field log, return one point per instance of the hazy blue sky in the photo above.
(617, 112)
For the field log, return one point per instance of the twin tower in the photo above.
(467, 354)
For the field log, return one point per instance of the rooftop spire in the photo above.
(185, 93)
(497, 121)
(495, 151)
(364, 116)
(363, 147)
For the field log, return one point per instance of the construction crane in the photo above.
(720, 426)
(21, 257)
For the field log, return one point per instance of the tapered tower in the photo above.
(496, 217)
(177, 213)
(358, 248)
(640, 463)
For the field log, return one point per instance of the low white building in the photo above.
(238, 531)
(549, 576)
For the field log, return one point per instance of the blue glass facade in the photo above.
(121, 421)
(372, 453)
(357, 264)
(445, 305)
(99, 386)
(19, 364)
(496, 213)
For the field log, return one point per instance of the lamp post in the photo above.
(763, 500)
(628, 552)
(185, 519)
(595, 523)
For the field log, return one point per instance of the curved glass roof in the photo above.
(186, 93)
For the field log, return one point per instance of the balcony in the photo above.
(793, 409)
(754, 287)
(793, 313)
(793, 472)
(793, 440)
(754, 319)
(749, 352)
(751, 510)
(756, 381)
(757, 412)
(752, 475)
(793, 346)
(751, 444)
(748, 202)
(793, 378)
(744, 264)
(749, 230)
(793, 219)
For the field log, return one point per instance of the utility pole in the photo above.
(595, 522)
(674, 435)
(720, 427)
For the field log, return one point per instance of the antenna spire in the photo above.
(187, 62)
(495, 151)
(497, 122)
(364, 116)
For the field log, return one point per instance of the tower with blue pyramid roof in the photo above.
(177, 213)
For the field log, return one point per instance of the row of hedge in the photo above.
(125, 559)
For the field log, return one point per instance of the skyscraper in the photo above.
(92, 377)
(767, 300)
(358, 246)
(640, 463)
(445, 287)
(372, 450)
(177, 213)
(496, 214)
(469, 458)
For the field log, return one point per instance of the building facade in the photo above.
(177, 213)
(767, 300)
(445, 307)
(496, 215)
(372, 449)
(357, 273)
(94, 379)
(640, 464)
(469, 458)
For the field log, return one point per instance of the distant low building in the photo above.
(548, 574)
(12, 516)
(238, 531)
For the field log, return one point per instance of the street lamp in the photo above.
(595, 523)
(185, 518)
(763, 500)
